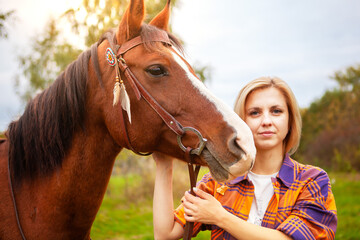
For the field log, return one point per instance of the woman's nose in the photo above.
(266, 121)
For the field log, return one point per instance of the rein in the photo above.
(140, 92)
(193, 174)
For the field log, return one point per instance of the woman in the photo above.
(278, 199)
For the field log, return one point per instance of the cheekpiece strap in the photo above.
(139, 90)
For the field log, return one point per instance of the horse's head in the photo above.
(161, 69)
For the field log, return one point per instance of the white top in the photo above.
(263, 190)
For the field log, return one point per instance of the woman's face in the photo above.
(267, 115)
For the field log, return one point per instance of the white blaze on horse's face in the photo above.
(244, 137)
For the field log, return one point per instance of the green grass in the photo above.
(129, 216)
(346, 189)
(122, 219)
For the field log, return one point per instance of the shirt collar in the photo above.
(239, 179)
(286, 173)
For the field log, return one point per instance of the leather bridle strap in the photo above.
(14, 202)
(127, 138)
(160, 36)
(169, 120)
(193, 174)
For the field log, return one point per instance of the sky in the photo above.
(303, 42)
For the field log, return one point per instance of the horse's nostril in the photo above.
(234, 146)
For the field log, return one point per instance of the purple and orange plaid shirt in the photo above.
(303, 206)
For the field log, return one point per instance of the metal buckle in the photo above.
(202, 140)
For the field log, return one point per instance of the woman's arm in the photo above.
(165, 226)
(206, 209)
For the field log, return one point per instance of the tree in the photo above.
(48, 58)
(331, 125)
(5, 17)
(349, 80)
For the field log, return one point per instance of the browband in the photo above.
(160, 36)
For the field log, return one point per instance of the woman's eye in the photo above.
(277, 111)
(253, 113)
(156, 71)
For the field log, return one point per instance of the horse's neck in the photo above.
(73, 194)
(88, 167)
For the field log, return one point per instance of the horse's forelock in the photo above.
(147, 34)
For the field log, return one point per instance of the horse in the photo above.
(132, 89)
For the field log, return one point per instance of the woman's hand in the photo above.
(204, 208)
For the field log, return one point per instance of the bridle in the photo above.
(169, 120)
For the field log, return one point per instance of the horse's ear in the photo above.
(130, 25)
(162, 19)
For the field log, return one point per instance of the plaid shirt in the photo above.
(303, 206)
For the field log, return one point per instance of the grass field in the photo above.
(130, 217)
(346, 188)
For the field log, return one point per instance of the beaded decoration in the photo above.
(110, 57)
(119, 87)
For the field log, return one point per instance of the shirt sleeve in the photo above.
(206, 184)
(313, 215)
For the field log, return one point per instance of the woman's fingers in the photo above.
(189, 201)
(188, 211)
(201, 208)
(200, 193)
(189, 218)
(189, 197)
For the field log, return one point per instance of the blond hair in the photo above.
(292, 139)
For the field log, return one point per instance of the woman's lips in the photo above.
(267, 133)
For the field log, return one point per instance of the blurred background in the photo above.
(313, 45)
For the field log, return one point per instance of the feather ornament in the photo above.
(116, 93)
(125, 100)
(121, 94)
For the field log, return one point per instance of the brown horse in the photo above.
(61, 151)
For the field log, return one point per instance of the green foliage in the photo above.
(103, 15)
(350, 79)
(5, 17)
(95, 18)
(50, 56)
(331, 126)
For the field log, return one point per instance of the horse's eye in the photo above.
(156, 71)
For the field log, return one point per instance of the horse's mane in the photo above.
(41, 137)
